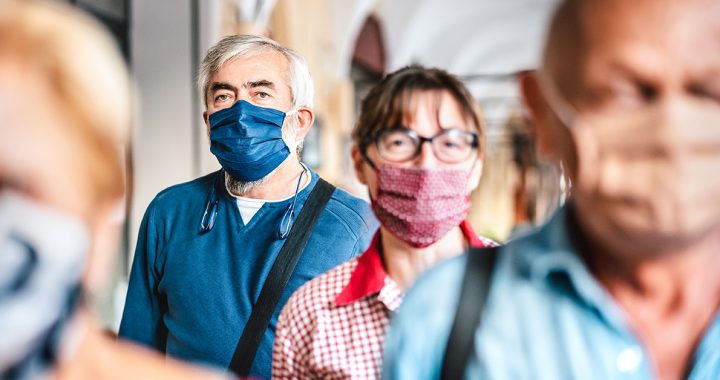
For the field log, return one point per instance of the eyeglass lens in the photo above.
(450, 145)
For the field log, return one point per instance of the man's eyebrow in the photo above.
(260, 83)
(223, 86)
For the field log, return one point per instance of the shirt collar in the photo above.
(472, 237)
(369, 275)
(551, 256)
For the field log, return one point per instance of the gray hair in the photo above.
(301, 85)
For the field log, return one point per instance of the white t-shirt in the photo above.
(249, 206)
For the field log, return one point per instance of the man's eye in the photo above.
(629, 95)
(262, 95)
(704, 92)
(222, 98)
(625, 95)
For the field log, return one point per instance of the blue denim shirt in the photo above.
(546, 317)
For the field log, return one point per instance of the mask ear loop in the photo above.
(293, 112)
(568, 115)
(369, 162)
(363, 153)
(289, 216)
(557, 102)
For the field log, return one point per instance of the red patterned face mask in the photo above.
(420, 206)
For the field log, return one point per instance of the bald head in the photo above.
(592, 43)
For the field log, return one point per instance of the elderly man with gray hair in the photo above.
(219, 256)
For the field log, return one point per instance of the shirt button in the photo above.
(629, 359)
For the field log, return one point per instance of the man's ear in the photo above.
(475, 174)
(305, 117)
(538, 112)
(207, 123)
(359, 164)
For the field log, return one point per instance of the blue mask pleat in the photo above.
(247, 140)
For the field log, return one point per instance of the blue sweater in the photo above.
(190, 294)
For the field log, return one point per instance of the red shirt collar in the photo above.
(369, 275)
(471, 235)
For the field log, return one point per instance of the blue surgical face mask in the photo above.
(247, 140)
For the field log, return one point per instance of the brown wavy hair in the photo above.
(391, 100)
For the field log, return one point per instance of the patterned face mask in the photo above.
(419, 206)
(42, 261)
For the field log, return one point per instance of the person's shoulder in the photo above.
(319, 293)
(351, 210)
(434, 296)
(189, 188)
(436, 292)
(441, 279)
(345, 199)
(196, 189)
(341, 199)
(173, 202)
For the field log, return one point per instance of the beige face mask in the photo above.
(651, 177)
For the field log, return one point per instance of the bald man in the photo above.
(624, 281)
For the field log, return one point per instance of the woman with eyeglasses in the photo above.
(419, 149)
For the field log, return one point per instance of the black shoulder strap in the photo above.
(278, 278)
(473, 295)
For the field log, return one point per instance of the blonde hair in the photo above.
(86, 76)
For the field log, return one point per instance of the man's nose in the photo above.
(243, 95)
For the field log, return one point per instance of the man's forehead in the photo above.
(591, 27)
(658, 17)
(266, 65)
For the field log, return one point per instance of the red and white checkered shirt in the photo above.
(333, 327)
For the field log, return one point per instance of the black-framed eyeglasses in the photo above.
(403, 144)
